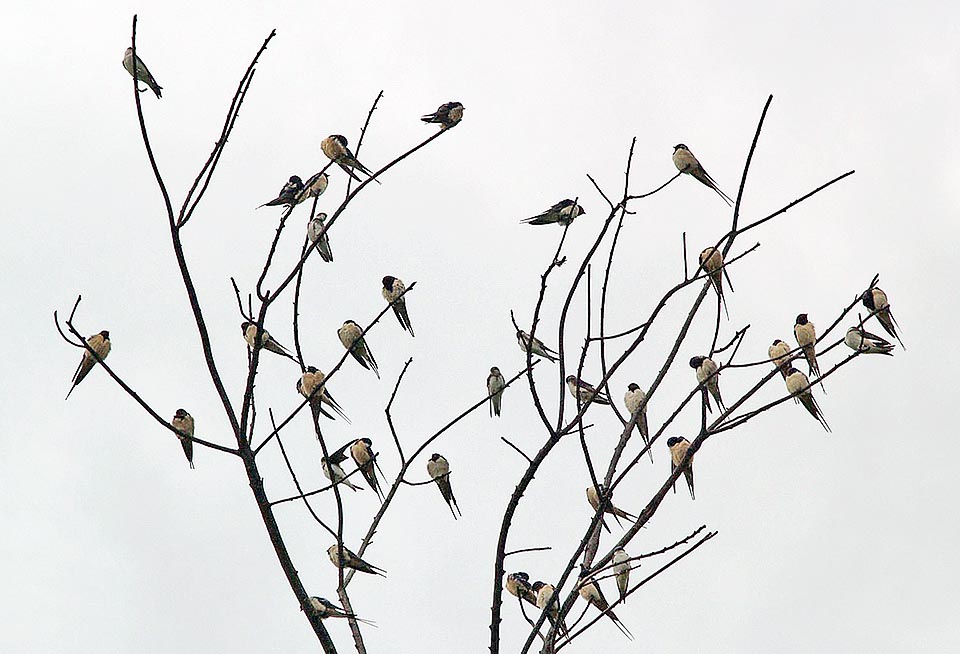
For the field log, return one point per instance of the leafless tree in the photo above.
(607, 470)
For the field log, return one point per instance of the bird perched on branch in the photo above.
(633, 398)
(142, 74)
(876, 300)
(712, 263)
(678, 446)
(288, 194)
(799, 386)
(594, 498)
(685, 162)
(562, 213)
(313, 187)
(183, 423)
(621, 567)
(266, 341)
(536, 346)
(439, 470)
(344, 558)
(709, 376)
(861, 340)
(779, 353)
(584, 392)
(351, 335)
(100, 344)
(311, 386)
(333, 471)
(518, 585)
(544, 593)
(327, 609)
(447, 115)
(495, 386)
(363, 455)
(591, 592)
(806, 335)
(392, 292)
(335, 147)
(320, 238)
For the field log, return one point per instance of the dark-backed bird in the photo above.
(518, 585)
(319, 237)
(314, 187)
(779, 354)
(332, 469)
(709, 377)
(591, 592)
(327, 609)
(562, 213)
(344, 558)
(288, 194)
(544, 593)
(311, 385)
(861, 340)
(143, 74)
(366, 459)
(266, 341)
(100, 344)
(806, 335)
(335, 147)
(495, 386)
(183, 423)
(447, 115)
(585, 393)
(685, 162)
(351, 336)
(876, 300)
(392, 291)
(594, 499)
(439, 470)
(799, 386)
(678, 446)
(633, 398)
(712, 263)
(536, 346)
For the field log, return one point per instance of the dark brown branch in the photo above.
(519, 451)
(393, 395)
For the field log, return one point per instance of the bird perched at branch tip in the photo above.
(685, 162)
(876, 300)
(447, 115)
(143, 74)
(100, 344)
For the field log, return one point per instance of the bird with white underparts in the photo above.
(439, 470)
(860, 340)
(708, 376)
(352, 338)
(876, 300)
(799, 386)
(344, 558)
(392, 291)
(184, 425)
(143, 74)
(678, 446)
(535, 346)
(685, 162)
(335, 147)
(495, 385)
(100, 345)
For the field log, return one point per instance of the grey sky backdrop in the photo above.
(840, 543)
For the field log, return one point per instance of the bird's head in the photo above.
(105, 334)
(571, 379)
(680, 146)
(696, 362)
(802, 319)
(181, 414)
(673, 440)
(388, 282)
(633, 387)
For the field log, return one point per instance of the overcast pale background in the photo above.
(841, 543)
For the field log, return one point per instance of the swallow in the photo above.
(439, 470)
(327, 609)
(266, 341)
(685, 162)
(143, 74)
(351, 335)
(320, 238)
(678, 446)
(711, 261)
(544, 593)
(709, 376)
(447, 115)
(363, 455)
(861, 340)
(183, 423)
(584, 393)
(335, 147)
(876, 300)
(562, 213)
(392, 291)
(99, 343)
(307, 385)
(799, 386)
(594, 498)
(495, 386)
(591, 592)
(621, 566)
(633, 398)
(536, 346)
(348, 559)
(288, 194)
(332, 469)
(313, 187)
(779, 354)
(806, 335)
(518, 585)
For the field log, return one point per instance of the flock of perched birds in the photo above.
(311, 383)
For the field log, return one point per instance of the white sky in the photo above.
(842, 542)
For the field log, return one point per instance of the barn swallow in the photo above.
(99, 343)
(678, 449)
(562, 213)
(779, 354)
(447, 115)
(707, 374)
(266, 341)
(633, 398)
(143, 74)
(288, 194)
(495, 386)
(335, 147)
(544, 593)
(351, 337)
(319, 237)
(876, 300)
(806, 335)
(307, 386)
(594, 498)
(332, 469)
(712, 263)
(685, 162)
(861, 340)
(392, 289)
(518, 585)
(536, 346)
(363, 455)
(327, 609)
(183, 423)
(439, 470)
(799, 386)
(584, 392)
(621, 566)
(348, 559)
(591, 592)
(313, 187)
